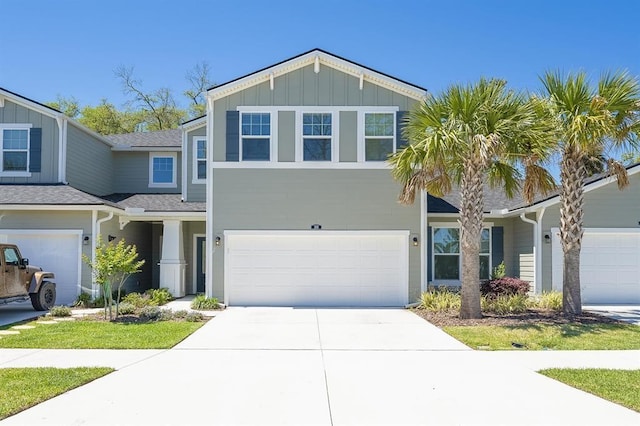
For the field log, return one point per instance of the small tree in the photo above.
(114, 263)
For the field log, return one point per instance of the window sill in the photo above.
(199, 181)
(163, 185)
(15, 174)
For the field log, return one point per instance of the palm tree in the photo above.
(466, 136)
(590, 121)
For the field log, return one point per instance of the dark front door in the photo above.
(201, 263)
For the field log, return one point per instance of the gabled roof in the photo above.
(318, 57)
(29, 102)
(160, 139)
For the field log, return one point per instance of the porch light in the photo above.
(547, 238)
(111, 237)
(217, 240)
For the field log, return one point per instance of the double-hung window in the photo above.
(199, 160)
(316, 136)
(379, 135)
(256, 136)
(162, 169)
(15, 150)
(446, 254)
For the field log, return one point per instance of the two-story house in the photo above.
(281, 195)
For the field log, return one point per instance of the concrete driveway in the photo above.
(262, 366)
(628, 313)
(18, 311)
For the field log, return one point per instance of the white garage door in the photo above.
(317, 268)
(609, 265)
(54, 251)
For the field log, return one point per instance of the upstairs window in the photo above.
(199, 160)
(256, 136)
(15, 150)
(316, 137)
(162, 170)
(379, 136)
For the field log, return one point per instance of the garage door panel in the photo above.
(53, 251)
(609, 266)
(350, 269)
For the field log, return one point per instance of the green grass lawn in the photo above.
(21, 388)
(619, 386)
(101, 335)
(557, 337)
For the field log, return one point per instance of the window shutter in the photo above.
(429, 255)
(35, 150)
(497, 246)
(233, 136)
(401, 140)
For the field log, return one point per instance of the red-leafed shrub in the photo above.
(504, 286)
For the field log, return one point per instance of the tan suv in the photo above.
(18, 280)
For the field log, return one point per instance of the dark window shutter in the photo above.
(401, 140)
(429, 255)
(233, 135)
(497, 245)
(35, 150)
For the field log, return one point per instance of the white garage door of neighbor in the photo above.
(317, 268)
(609, 265)
(54, 251)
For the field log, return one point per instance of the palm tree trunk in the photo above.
(572, 202)
(471, 214)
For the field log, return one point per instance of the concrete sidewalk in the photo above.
(325, 367)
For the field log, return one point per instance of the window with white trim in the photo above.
(447, 255)
(199, 159)
(162, 169)
(15, 150)
(316, 136)
(379, 135)
(255, 133)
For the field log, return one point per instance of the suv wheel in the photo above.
(45, 298)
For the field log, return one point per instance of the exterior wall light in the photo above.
(218, 240)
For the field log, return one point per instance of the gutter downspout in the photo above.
(96, 231)
(209, 227)
(185, 150)
(423, 241)
(536, 249)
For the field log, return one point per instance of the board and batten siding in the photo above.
(523, 258)
(131, 174)
(303, 87)
(276, 199)
(604, 207)
(89, 162)
(196, 192)
(13, 113)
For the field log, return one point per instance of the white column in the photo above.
(172, 263)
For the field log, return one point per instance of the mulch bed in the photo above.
(531, 317)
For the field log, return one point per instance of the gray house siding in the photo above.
(16, 114)
(303, 87)
(523, 259)
(604, 207)
(89, 162)
(131, 173)
(286, 136)
(249, 199)
(195, 191)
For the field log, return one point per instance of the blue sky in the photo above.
(71, 47)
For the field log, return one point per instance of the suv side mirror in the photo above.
(24, 262)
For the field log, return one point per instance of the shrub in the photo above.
(499, 271)
(165, 315)
(60, 311)
(504, 286)
(551, 300)
(181, 314)
(98, 302)
(138, 300)
(126, 308)
(440, 300)
(194, 317)
(159, 296)
(150, 313)
(203, 303)
(83, 300)
(505, 304)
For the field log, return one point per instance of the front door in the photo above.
(201, 263)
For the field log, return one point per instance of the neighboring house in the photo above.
(280, 195)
